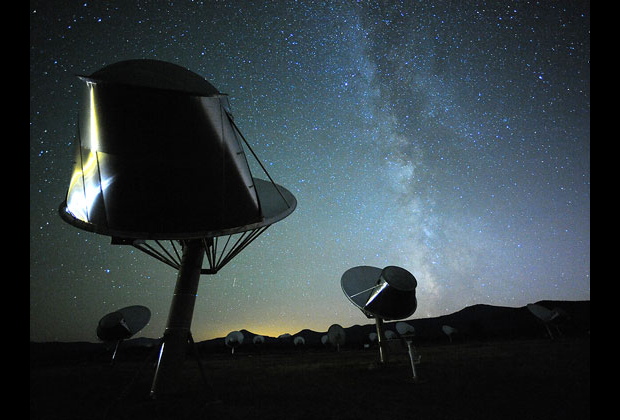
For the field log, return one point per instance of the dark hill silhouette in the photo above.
(477, 322)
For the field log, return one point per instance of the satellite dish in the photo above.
(324, 339)
(404, 329)
(449, 331)
(258, 340)
(233, 340)
(336, 336)
(122, 324)
(112, 327)
(299, 341)
(154, 132)
(387, 293)
(159, 158)
(383, 294)
(547, 316)
(372, 337)
(542, 313)
(390, 335)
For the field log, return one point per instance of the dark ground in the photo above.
(503, 379)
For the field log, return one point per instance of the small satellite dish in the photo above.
(383, 294)
(449, 331)
(404, 329)
(336, 336)
(299, 341)
(390, 335)
(122, 324)
(112, 327)
(542, 313)
(324, 339)
(258, 340)
(387, 293)
(372, 337)
(233, 340)
(547, 316)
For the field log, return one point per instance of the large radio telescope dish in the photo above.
(159, 158)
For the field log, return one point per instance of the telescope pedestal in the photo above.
(383, 354)
(177, 334)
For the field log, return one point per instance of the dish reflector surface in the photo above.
(234, 339)
(387, 293)
(542, 313)
(159, 156)
(124, 323)
(404, 328)
(336, 335)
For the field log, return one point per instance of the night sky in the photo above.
(449, 138)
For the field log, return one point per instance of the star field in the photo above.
(451, 139)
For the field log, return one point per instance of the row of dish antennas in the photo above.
(406, 330)
(335, 336)
(235, 339)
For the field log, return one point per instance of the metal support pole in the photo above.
(118, 343)
(413, 358)
(383, 356)
(177, 334)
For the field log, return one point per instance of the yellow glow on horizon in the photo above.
(221, 332)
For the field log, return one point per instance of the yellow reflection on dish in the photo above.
(86, 181)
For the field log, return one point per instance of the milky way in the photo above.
(451, 139)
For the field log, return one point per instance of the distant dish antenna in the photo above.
(547, 316)
(383, 294)
(233, 340)
(258, 340)
(284, 339)
(336, 336)
(299, 341)
(372, 337)
(161, 165)
(122, 324)
(405, 329)
(390, 335)
(324, 339)
(449, 331)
